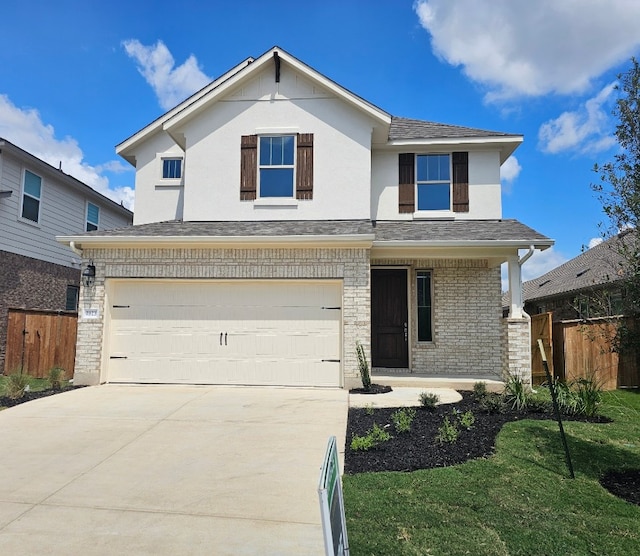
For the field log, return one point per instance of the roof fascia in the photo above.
(205, 100)
(506, 144)
(238, 242)
(125, 148)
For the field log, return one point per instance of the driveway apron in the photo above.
(167, 470)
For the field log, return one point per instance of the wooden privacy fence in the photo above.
(40, 340)
(582, 349)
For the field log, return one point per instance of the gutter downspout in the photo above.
(76, 250)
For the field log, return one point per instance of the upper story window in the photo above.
(31, 192)
(276, 165)
(171, 168)
(93, 217)
(433, 182)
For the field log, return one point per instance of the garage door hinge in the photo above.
(332, 308)
(118, 357)
(331, 360)
(121, 306)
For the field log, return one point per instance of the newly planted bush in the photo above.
(479, 390)
(448, 431)
(492, 403)
(515, 393)
(589, 395)
(466, 420)
(429, 400)
(17, 384)
(56, 378)
(363, 365)
(375, 436)
(402, 419)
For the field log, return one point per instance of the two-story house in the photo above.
(37, 203)
(280, 219)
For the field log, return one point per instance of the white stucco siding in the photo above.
(157, 200)
(63, 211)
(484, 187)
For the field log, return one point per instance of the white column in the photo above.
(515, 287)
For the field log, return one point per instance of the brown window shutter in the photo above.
(460, 163)
(304, 166)
(406, 182)
(248, 167)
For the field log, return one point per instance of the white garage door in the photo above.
(224, 332)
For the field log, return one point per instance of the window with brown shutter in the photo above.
(248, 167)
(406, 182)
(460, 164)
(304, 166)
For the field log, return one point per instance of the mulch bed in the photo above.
(419, 449)
(30, 396)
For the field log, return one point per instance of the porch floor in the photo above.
(405, 378)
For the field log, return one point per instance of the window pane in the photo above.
(72, 298)
(172, 168)
(32, 184)
(434, 197)
(287, 150)
(265, 151)
(276, 182)
(276, 151)
(91, 227)
(424, 307)
(30, 208)
(93, 213)
(433, 167)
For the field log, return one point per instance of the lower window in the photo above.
(72, 298)
(423, 287)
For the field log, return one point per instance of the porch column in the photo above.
(515, 287)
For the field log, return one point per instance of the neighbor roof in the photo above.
(596, 266)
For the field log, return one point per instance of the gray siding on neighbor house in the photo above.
(62, 212)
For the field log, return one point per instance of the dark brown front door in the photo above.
(389, 334)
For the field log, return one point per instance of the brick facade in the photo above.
(349, 265)
(31, 284)
(467, 315)
(516, 342)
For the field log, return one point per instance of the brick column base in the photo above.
(516, 359)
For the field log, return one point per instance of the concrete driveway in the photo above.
(166, 470)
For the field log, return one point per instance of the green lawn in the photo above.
(520, 501)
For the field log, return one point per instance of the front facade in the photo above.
(280, 219)
(37, 203)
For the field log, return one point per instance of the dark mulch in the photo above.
(624, 484)
(418, 448)
(373, 389)
(30, 396)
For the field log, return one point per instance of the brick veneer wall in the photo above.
(31, 284)
(517, 348)
(349, 265)
(467, 318)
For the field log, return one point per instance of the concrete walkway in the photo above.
(166, 470)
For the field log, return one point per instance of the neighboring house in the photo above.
(587, 286)
(280, 219)
(37, 203)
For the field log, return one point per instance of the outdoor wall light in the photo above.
(89, 275)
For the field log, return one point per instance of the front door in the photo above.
(389, 332)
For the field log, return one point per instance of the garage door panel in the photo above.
(240, 332)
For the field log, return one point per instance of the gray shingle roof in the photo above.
(385, 231)
(405, 128)
(596, 266)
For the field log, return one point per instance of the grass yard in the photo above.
(518, 502)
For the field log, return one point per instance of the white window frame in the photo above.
(171, 181)
(87, 221)
(24, 194)
(271, 199)
(434, 213)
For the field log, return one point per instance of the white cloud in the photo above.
(509, 171)
(171, 83)
(595, 241)
(586, 129)
(540, 263)
(25, 129)
(532, 48)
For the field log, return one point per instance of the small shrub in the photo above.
(363, 365)
(402, 419)
(588, 394)
(448, 431)
(16, 385)
(368, 409)
(56, 378)
(516, 393)
(566, 398)
(466, 420)
(428, 400)
(479, 390)
(492, 403)
(375, 436)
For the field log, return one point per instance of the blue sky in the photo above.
(77, 78)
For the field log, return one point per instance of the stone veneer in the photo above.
(517, 348)
(28, 283)
(467, 318)
(351, 265)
